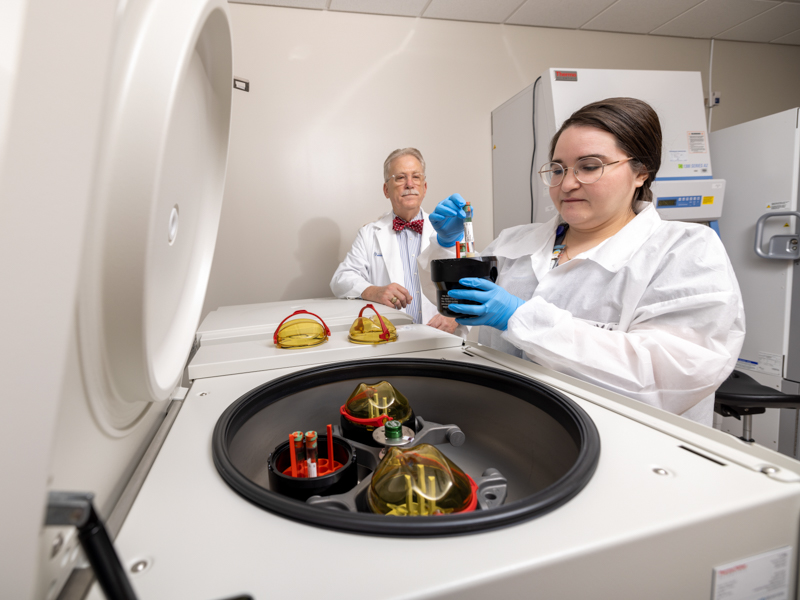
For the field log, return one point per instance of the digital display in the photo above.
(669, 202)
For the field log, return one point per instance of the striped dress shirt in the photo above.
(410, 243)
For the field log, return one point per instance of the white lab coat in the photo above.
(653, 313)
(375, 259)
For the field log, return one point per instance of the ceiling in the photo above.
(765, 21)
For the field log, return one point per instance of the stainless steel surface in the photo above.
(747, 427)
(379, 435)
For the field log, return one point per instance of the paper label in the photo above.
(468, 236)
(782, 205)
(761, 577)
(697, 142)
(746, 365)
(769, 364)
(678, 156)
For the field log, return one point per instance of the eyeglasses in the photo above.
(587, 170)
(402, 178)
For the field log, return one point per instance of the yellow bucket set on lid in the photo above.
(307, 333)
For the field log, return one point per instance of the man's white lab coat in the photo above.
(653, 313)
(375, 259)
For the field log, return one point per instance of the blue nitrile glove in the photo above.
(448, 220)
(496, 304)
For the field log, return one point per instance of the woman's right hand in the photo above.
(448, 220)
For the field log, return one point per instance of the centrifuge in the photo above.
(175, 429)
(587, 494)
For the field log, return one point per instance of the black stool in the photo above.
(741, 396)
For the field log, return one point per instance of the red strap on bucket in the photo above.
(373, 422)
(385, 335)
(300, 312)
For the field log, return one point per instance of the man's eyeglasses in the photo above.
(587, 170)
(402, 178)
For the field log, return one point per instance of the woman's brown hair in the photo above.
(635, 126)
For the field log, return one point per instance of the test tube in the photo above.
(432, 493)
(469, 237)
(296, 452)
(409, 495)
(373, 406)
(311, 453)
(331, 468)
(422, 489)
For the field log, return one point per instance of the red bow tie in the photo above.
(399, 225)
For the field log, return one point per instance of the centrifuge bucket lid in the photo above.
(372, 330)
(301, 332)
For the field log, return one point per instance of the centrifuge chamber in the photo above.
(542, 443)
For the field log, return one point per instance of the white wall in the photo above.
(333, 93)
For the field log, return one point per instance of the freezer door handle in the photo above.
(781, 247)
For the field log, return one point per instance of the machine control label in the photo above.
(681, 201)
(761, 577)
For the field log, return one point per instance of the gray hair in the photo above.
(397, 154)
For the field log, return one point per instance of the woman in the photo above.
(606, 291)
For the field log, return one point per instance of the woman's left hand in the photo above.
(495, 304)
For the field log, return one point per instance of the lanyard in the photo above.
(559, 246)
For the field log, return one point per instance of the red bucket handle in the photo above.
(373, 422)
(299, 312)
(385, 335)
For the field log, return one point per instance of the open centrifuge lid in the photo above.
(156, 204)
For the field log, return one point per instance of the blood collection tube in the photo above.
(311, 453)
(469, 237)
(297, 452)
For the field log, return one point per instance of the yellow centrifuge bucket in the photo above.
(372, 330)
(301, 333)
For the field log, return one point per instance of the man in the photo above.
(382, 264)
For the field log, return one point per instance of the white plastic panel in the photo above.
(158, 197)
(259, 353)
(512, 146)
(254, 320)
